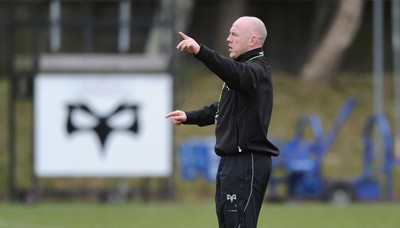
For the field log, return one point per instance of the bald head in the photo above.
(247, 33)
(255, 27)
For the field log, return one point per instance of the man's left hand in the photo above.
(188, 44)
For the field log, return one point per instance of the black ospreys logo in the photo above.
(102, 126)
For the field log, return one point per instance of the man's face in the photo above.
(238, 39)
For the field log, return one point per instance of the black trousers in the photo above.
(241, 185)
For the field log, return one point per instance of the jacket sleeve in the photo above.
(202, 117)
(240, 76)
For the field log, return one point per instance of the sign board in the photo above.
(102, 125)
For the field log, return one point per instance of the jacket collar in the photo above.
(250, 54)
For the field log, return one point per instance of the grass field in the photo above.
(193, 215)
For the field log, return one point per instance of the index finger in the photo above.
(170, 114)
(183, 35)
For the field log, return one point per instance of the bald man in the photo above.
(242, 116)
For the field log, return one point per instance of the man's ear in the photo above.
(253, 41)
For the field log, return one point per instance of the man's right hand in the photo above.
(177, 117)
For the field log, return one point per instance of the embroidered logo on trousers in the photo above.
(231, 197)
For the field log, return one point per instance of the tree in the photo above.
(324, 61)
(161, 36)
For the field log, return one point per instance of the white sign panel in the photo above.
(102, 125)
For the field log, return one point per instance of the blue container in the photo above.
(197, 159)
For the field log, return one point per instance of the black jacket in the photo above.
(244, 111)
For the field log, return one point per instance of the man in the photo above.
(242, 117)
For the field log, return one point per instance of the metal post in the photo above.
(54, 16)
(378, 70)
(378, 55)
(11, 98)
(396, 71)
(174, 66)
(124, 26)
(35, 65)
(87, 28)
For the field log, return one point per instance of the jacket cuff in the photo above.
(190, 118)
(203, 52)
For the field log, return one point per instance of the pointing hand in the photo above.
(177, 117)
(188, 44)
